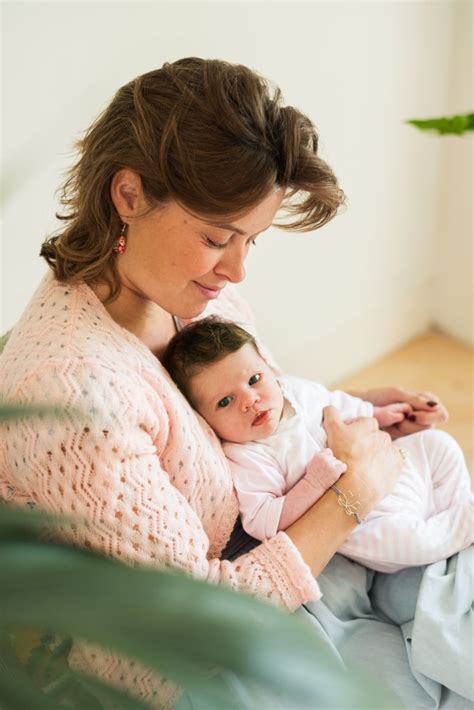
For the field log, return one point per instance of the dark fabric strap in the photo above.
(239, 543)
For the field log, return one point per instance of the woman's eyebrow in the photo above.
(230, 227)
(233, 228)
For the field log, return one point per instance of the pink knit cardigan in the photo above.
(144, 471)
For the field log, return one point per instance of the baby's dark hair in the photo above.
(202, 343)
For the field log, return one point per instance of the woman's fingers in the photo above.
(350, 441)
(331, 416)
(373, 462)
(418, 420)
(427, 409)
(381, 396)
(332, 420)
(417, 400)
(426, 419)
(428, 397)
(434, 415)
(393, 431)
(405, 428)
(368, 423)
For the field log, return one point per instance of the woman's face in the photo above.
(178, 260)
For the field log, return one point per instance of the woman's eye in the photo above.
(255, 378)
(220, 245)
(224, 402)
(215, 245)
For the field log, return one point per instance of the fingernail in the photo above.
(412, 417)
(432, 403)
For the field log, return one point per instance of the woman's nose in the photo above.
(231, 266)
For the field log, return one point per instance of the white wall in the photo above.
(326, 302)
(453, 293)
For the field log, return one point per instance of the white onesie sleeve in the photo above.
(350, 406)
(309, 399)
(260, 487)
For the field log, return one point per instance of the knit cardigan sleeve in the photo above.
(142, 475)
(107, 467)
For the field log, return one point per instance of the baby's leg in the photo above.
(428, 517)
(442, 454)
(396, 540)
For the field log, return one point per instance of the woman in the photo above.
(175, 180)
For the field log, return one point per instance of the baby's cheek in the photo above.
(223, 425)
(213, 423)
(235, 429)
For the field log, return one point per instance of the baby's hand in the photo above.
(392, 413)
(324, 468)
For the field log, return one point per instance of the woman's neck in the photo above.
(146, 320)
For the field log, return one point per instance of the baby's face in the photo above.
(239, 396)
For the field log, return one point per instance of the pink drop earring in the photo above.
(120, 243)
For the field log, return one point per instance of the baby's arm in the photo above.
(352, 407)
(322, 472)
(260, 484)
(392, 414)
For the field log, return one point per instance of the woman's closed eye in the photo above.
(255, 378)
(222, 245)
(215, 245)
(224, 402)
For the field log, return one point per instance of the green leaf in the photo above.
(69, 689)
(194, 633)
(17, 691)
(27, 523)
(457, 125)
(9, 411)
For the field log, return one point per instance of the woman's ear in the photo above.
(126, 192)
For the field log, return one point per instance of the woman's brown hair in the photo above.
(211, 135)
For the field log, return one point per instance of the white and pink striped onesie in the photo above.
(428, 516)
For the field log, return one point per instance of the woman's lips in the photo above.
(261, 418)
(208, 292)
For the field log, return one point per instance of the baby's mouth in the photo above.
(261, 418)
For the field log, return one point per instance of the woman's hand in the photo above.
(373, 462)
(427, 410)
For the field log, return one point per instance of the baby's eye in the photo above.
(255, 378)
(224, 402)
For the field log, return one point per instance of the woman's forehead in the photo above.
(256, 219)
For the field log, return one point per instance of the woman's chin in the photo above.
(191, 311)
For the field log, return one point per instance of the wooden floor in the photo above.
(436, 363)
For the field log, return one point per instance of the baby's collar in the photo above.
(288, 395)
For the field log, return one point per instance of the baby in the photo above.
(272, 433)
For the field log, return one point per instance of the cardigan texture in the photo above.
(132, 459)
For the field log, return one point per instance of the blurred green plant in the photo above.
(457, 125)
(20, 411)
(227, 649)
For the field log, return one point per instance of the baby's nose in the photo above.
(249, 400)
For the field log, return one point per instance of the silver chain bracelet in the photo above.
(349, 502)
